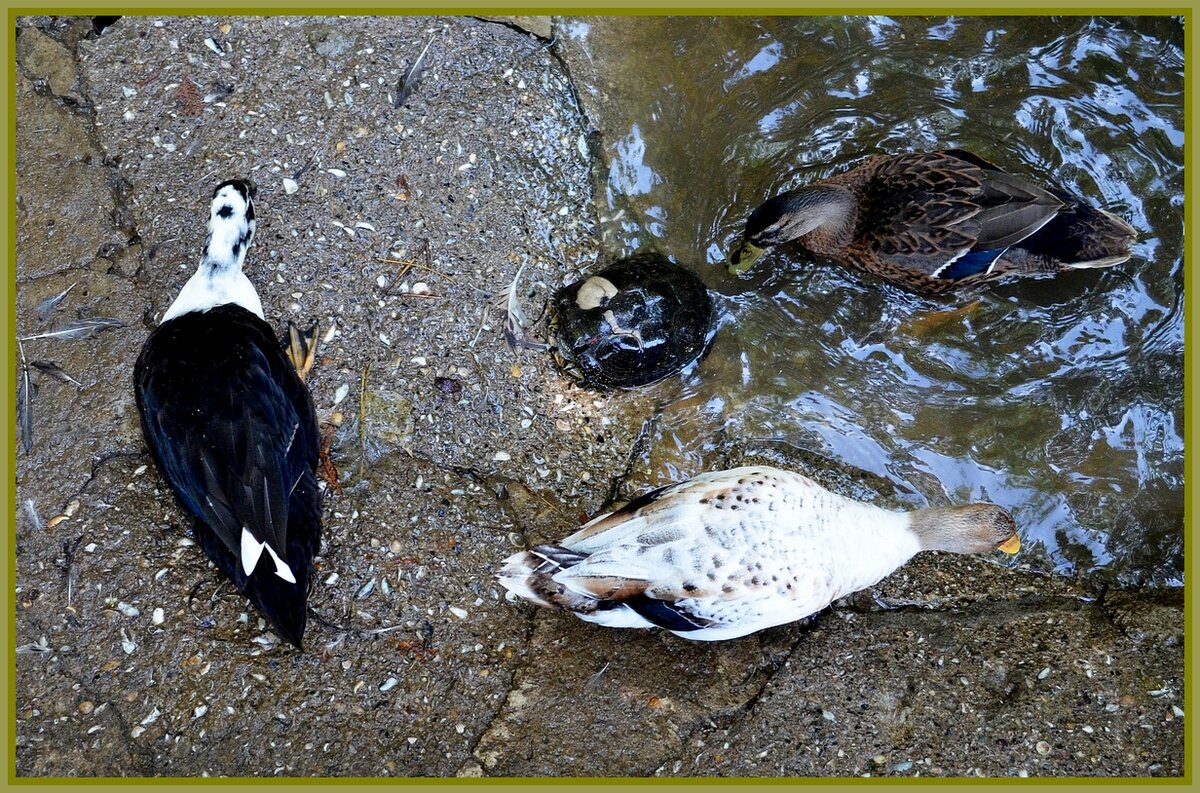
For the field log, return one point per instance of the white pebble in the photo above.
(458, 612)
(128, 610)
(501, 456)
(157, 616)
(389, 684)
(289, 185)
(342, 392)
(199, 711)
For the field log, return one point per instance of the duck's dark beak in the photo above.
(742, 257)
(1011, 545)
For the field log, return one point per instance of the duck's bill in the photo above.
(743, 257)
(1011, 545)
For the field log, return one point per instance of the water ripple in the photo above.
(1060, 399)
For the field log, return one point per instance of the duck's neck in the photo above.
(219, 279)
(883, 541)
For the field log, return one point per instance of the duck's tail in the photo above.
(1080, 237)
(530, 574)
(283, 602)
(615, 600)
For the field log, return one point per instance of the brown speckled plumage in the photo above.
(938, 221)
(732, 552)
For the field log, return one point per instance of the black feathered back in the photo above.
(232, 429)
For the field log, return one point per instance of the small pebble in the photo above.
(389, 684)
(501, 456)
(157, 616)
(1042, 748)
(458, 612)
(290, 186)
(86, 707)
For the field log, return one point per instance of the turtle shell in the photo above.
(636, 321)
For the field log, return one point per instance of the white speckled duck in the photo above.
(732, 552)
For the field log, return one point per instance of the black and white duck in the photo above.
(231, 425)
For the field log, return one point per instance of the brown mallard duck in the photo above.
(935, 222)
(733, 552)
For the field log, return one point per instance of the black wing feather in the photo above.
(228, 421)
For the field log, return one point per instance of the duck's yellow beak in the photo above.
(1011, 545)
(742, 257)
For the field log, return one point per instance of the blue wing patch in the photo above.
(971, 263)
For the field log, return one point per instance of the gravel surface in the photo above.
(399, 230)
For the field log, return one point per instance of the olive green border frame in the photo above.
(548, 7)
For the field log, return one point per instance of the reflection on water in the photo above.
(1060, 399)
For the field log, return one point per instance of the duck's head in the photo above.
(789, 217)
(231, 222)
(972, 528)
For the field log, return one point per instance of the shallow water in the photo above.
(1061, 399)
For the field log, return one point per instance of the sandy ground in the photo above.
(396, 228)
